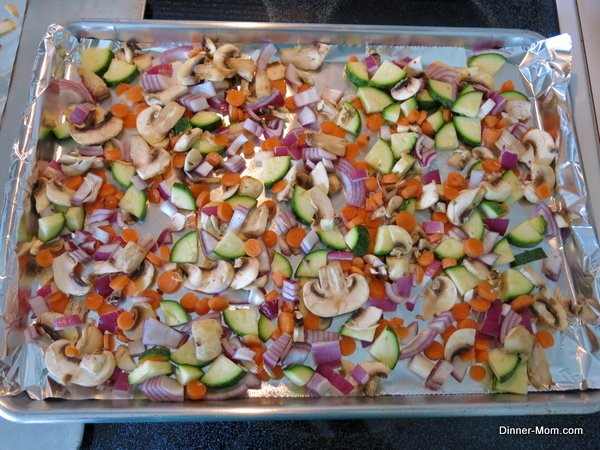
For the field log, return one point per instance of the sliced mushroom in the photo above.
(141, 311)
(549, 310)
(439, 297)
(329, 109)
(476, 76)
(210, 72)
(147, 162)
(39, 194)
(397, 266)
(429, 197)
(46, 321)
(319, 177)
(543, 146)
(459, 342)
(99, 133)
(73, 165)
(334, 185)
(143, 277)
(401, 240)
(459, 158)
(223, 53)
(477, 268)
(130, 258)
(192, 159)
(324, 206)
(94, 84)
(58, 193)
(154, 123)
(246, 272)
(519, 109)
(482, 153)
(497, 189)
(87, 370)
(406, 88)
(67, 281)
(394, 203)
(333, 294)
(308, 57)
(508, 141)
(244, 67)
(459, 209)
(124, 360)
(415, 67)
(209, 281)
(540, 174)
(185, 74)
(262, 84)
(250, 187)
(207, 334)
(290, 180)
(332, 144)
(538, 368)
(91, 339)
(519, 340)
(165, 96)
(256, 223)
(375, 368)
(365, 318)
(187, 139)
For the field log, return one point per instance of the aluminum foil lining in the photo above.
(542, 70)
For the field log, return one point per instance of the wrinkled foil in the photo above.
(542, 70)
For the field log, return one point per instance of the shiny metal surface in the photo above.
(545, 67)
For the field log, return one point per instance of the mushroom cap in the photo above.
(58, 193)
(154, 123)
(207, 335)
(544, 148)
(460, 208)
(73, 165)
(147, 162)
(406, 88)
(458, 342)
(97, 134)
(63, 268)
(306, 57)
(332, 144)
(439, 297)
(246, 273)
(87, 370)
(333, 294)
(498, 190)
(91, 339)
(429, 197)
(250, 187)
(256, 222)
(142, 312)
(209, 281)
(538, 368)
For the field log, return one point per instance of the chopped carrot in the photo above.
(461, 311)
(446, 334)
(304, 87)
(390, 178)
(279, 186)
(126, 320)
(74, 182)
(270, 238)
(271, 143)
(134, 94)
(195, 390)
(448, 262)
(349, 212)
(507, 86)
(371, 184)
(178, 160)
(467, 323)
(357, 104)
(435, 351)
(544, 338)
(119, 282)
(107, 189)
(105, 309)
(347, 346)
(71, 351)
(214, 159)
(295, 236)
(188, 301)
(285, 322)
(138, 108)
(427, 128)
(473, 247)
(522, 302)
(403, 121)
(253, 247)
(490, 135)
(164, 253)
(202, 199)
(352, 58)
(311, 321)
(44, 258)
(202, 307)
(121, 88)
(456, 180)
(413, 116)
(339, 132)
(352, 150)
(411, 191)
(218, 304)
(543, 191)
(129, 234)
(230, 179)
(94, 301)
(154, 260)
(467, 355)
(477, 373)
(482, 344)
(377, 288)
(480, 305)
(236, 98)
(130, 121)
(502, 123)
(426, 258)
(481, 355)
(490, 121)
(154, 296)
(224, 211)
(446, 114)
(119, 110)
(362, 141)
(169, 281)
(271, 296)
(112, 154)
(439, 217)
(491, 165)
(375, 121)
(328, 126)
(486, 291)
(450, 193)
(153, 195)
(221, 140)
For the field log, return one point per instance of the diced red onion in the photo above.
(394, 296)
(337, 381)
(103, 286)
(332, 95)
(264, 57)
(72, 92)
(269, 309)
(203, 169)
(511, 320)
(441, 322)
(385, 304)
(207, 89)
(236, 144)
(327, 352)
(491, 320)
(518, 130)
(509, 160)
(486, 108)
(355, 192)
(101, 235)
(173, 54)
(419, 343)
(433, 227)
(108, 322)
(438, 376)
(489, 240)
(136, 347)
(292, 137)
(497, 225)
(306, 97)
(546, 212)
(122, 382)
(104, 252)
(458, 234)
(209, 242)
(460, 369)
(210, 210)
(318, 154)
(292, 76)
(278, 350)
(318, 384)
(81, 113)
(433, 269)
(309, 241)
(235, 164)
(481, 88)
(100, 214)
(157, 333)
(155, 82)
(306, 116)
(312, 336)
(441, 72)
(162, 69)
(404, 285)
(526, 319)
(139, 183)
(38, 305)
(412, 331)
(46, 290)
(499, 103)
(280, 151)
(340, 256)
(274, 128)
(297, 354)
(168, 208)
(275, 99)
(194, 102)
(81, 194)
(264, 260)
(476, 178)
(165, 237)
(489, 258)
(91, 150)
(328, 164)
(433, 175)
(360, 374)
(372, 64)
(162, 389)
(552, 266)
(253, 127)
(237, 219)
(285, 221)
(244, 354)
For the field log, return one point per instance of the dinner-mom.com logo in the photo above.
(540, 429)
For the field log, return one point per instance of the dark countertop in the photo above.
(535, 15)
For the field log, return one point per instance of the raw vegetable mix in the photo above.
(387, 199)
